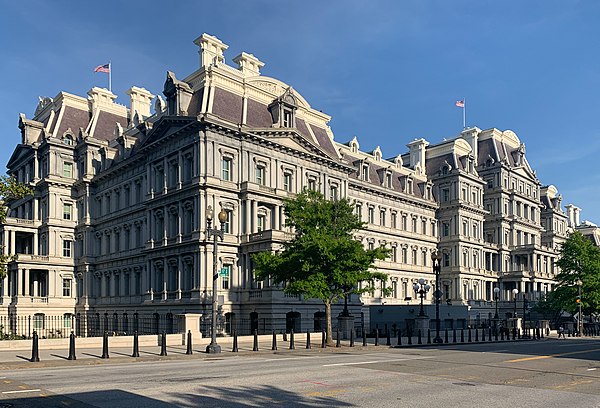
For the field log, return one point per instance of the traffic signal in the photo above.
(578, 299)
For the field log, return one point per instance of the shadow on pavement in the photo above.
(207, 397)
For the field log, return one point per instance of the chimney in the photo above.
(211, 50)
(573, 215)
(417, 154)
(100, 98)
(140, 99)
(471, 135)
(248, 64)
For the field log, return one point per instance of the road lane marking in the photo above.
(373, 362)
(20, 391)
(591, 369)
(518, 360)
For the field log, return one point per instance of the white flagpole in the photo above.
(109, 76)
(464, 113)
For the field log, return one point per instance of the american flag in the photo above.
(460, 104)
(102, 68)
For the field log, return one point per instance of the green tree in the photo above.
(323, 260)
(10, 190)
(579, 261)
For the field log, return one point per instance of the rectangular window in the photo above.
(226, 169)
(414, 225)
(365, 172)
(359, 211)
(67, 244)
(405, 223)
(382, 218)
(445, 229)
(67, 287)
(312, 184)
(394, 218)
(287, 182)
(67, 170)
(333, 192)
(371, 215)
(227, 223)
(394, 254)
(445, 194)
(67, 211)
(260, 175)
(260, 223)
(225, 278)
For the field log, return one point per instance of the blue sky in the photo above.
(386, 71)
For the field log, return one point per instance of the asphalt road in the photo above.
(549, 373)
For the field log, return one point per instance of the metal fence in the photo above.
(13, 327)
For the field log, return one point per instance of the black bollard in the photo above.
(284, 336)
(337, 337)
(399, 337)
(35, 349)
(189, 342)
(364, 335)
(274, 342)
(446, 336)
(234, 346)
(292, 344)
(163, 344)
(502, 335)
(514, 333)
(428, 336)
(454, 335)
(477, 335)
(105, 345)
(482, 334)
(323, 339)
(388, 340)
(136, 345)
(308, 346)
(255, 345)
(542, 333)
(409, 335)
(469, 339)
(376, 337)
(419, 337)
(462, 335)
(351, 337)
(490, 334)
(72, 347)
(495, 334)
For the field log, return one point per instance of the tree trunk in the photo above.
(328, 319)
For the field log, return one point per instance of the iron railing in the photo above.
(14, 327)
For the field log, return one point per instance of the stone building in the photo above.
(117, 222)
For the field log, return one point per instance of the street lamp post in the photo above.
(580, 318)
(515, 292)
(496, 292)
(436, 259)
(213, 347)
(421, 288)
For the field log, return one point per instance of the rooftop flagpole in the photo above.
(464, 113)
(109, 76)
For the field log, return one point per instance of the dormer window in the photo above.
(288, 118)
(388, 180)
(68, 140)
(365, 172)
(283, 109)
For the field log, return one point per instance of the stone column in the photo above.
(276, 225)
(26, 288)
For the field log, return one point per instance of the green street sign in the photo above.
(224, 272)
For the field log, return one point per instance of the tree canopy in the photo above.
(323, 260)
(10, 190)
(579, 261)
